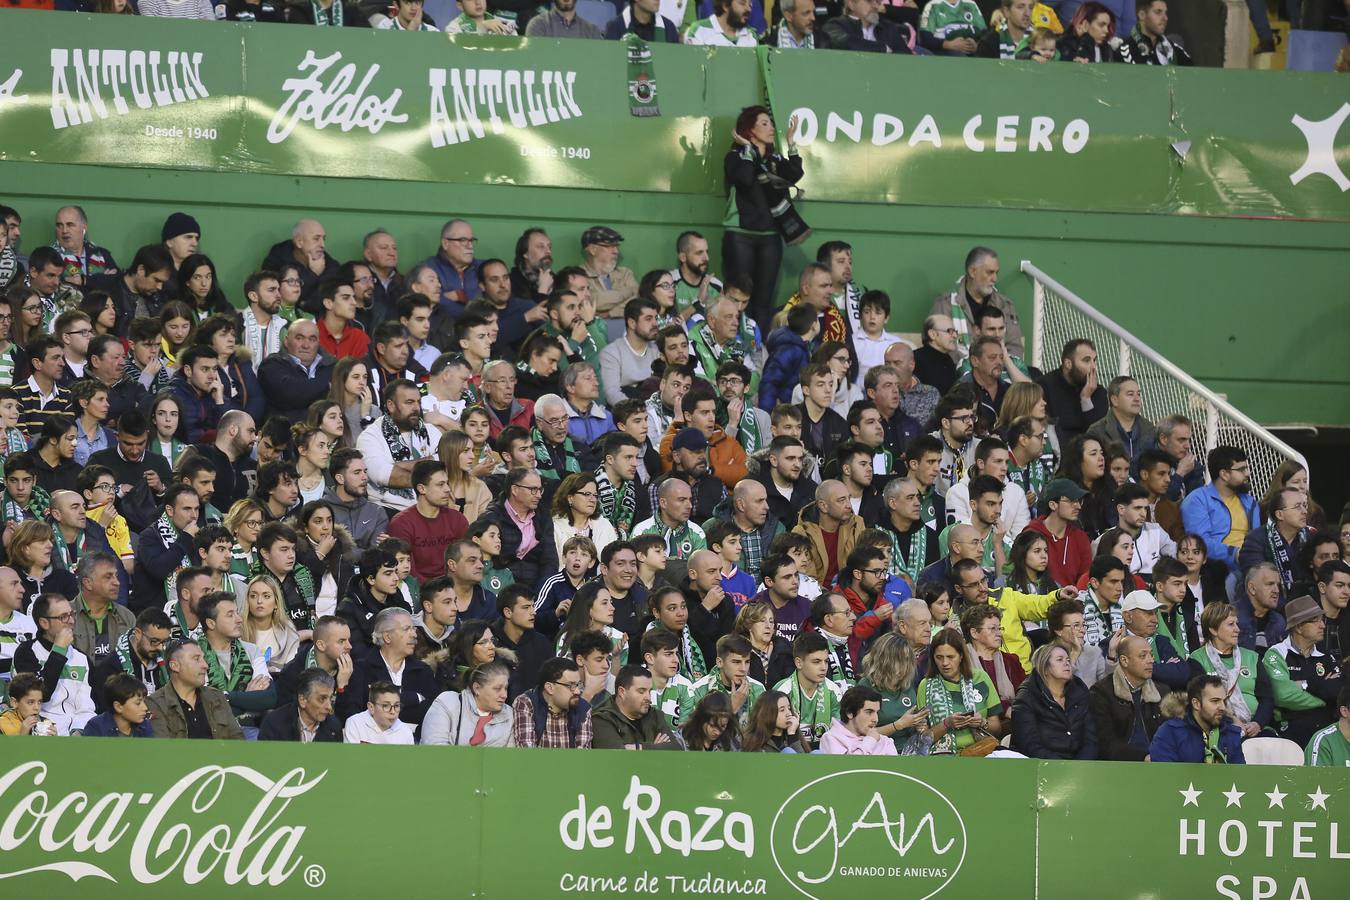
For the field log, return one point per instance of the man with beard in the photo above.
(142, 477)
(553, 713)
(566, 325)
(694, 284)
(380, 251)
(797, 30)
(299, 373)
(748, 424)
(1223, 511)
(353, 509)
(137, 653)
(263, 323)
(515, 317)
(727, 27)
(138, 289)
(977, 289)
(862, 28)
(532, 275)
(1073, 397)
(394, 442)
(788, 490)
(1011, 35)
(627, 362)
(561, 21)
(1148, 42)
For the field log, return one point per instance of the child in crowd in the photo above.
(789, 349)
(869, 344)
(725, 541)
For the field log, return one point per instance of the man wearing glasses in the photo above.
(74, 329)
(956, 432)
(933, 364)
(380, 723)
(66, 696)
(553, 715)
(1223, 511)
(138, 653)
(454, 264)
(526, 528)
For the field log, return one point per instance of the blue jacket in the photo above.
(103, 725)
(1203, 513)
(1181, 740)
(1176, 673)
(451, 281)
(1247, 630)
(788, 355)
(200, 411)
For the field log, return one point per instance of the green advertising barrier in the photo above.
(474, 110)
(420, 821)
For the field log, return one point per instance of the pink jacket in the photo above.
(840, 741)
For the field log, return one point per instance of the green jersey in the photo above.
(680, 542)
(1329, 747)
(948, 21)
(712, 682)
(675, 700)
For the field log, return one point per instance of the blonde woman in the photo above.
(470, 495)
(889, 669)
(244, 520)
(267, 624)
(1026, 398)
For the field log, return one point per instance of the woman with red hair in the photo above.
(1091, 37)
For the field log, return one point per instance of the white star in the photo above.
(1276, 798)
(1321, 138)
(1234, 796)
(1190, 796)
(1318, 798)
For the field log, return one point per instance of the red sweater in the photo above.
(1070, 556)
(428, 538)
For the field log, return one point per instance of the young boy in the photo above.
(814, 698)
(725, 540)
(651, 556)
(732, 677)
(592, 651)
(870, 343)
(670, 690)
(798, 547)
(143, 362)
(1041, 46)
(25, 707)
(556, 593)
(408, 586)
(14, 441)
(127, 714)
(789, 350)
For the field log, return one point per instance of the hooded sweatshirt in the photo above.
(840, 741)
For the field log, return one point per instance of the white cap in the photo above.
(1139, 600)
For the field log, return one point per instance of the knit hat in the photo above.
(179, 224)
(1300, 611)
(690, 439)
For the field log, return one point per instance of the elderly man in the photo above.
(454, 266)
(797, 30)
(914, 622)
(933, 364)
(393, 443)
(862, 28)
(674, 503)
(975, 290)
(527, 546)
(747, 508)
(499, 396)
(717, 340)
(1305, 680)
(82, 258)
(309, 719)
(380, 251)
(832, 527)
(1139, 611)
(100, 622)
(587, 419)
(555, 453)
(305, 248)
(298, 374)
(394, 660)
(612, 285)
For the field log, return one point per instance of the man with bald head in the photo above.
(674, 503)
(297, 374)
(232, 455)
(917, 399)
(833, 528)
(711, 612)
(1125, 704)
(963, 542)
(81, 258)
(747, 508)
(305, 249)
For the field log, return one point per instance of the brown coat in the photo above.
(848, 539)
(1012, 338)
(167, 717)
(623, 287)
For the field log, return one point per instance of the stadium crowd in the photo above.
(490, 500)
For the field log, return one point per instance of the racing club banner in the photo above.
(135, 91)
(160, 816)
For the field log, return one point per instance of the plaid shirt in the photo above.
(555, 728)
(752, 552)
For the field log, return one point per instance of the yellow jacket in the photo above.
(1017, 608)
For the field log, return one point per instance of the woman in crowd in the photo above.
(1251, 699)
(53, 455)
(292, 286)
(1029, 565)
(597, 614)
(199, 288)
(1027, 398)
(478, 426)
(313, 449)
(487, 536)
(1119, 543)
(177, 328)
(1087, 39)
(236, 371)
(537, 370)
(773, 726)
(658, 286)
(758, 180)
(467, 491)
(1084, 463)
(1117, 466)
(1052, 718)
(1067, 625)
(1202, 581)
(962, 702)
(30, 554)
(772, 659)
(266, 624)
(166, 416)
(244, 520)
(982, 627)
(472, 645)
(26, 308)
(710, 727)
(326, 549)
(476, 716)
(889, 669)
(839, 357)
(350, 389)
(90, 401)
(326, 416)
(576, 510)
(939, 601)
(101, 310)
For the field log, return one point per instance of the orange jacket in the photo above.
(726, 457)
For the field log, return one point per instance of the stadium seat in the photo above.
(597, 12)
(442, 12)
(1272, 751)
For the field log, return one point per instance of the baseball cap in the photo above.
(690, 439)
(1063, 487)
(1139, 600)
(600, 234)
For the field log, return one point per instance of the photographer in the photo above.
(759, 182)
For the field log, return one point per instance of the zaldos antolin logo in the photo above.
(868, 832)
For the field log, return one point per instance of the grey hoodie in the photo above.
(364, 519)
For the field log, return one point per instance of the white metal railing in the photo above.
(1059, 316)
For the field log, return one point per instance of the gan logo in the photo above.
(868, 832)
(152, 78)
(1321, 138)
(94, 830)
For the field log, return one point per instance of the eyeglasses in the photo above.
(555, 421)
(389, 707)
(874, 571)
(81, 332)
(511, 380)
(291, 281)
(462, 240)
(968, 417)
(573, 686)
(27, 308)
(485, 641)
(157, 642)
(533, 489)
(251, 523)
(105, 488)
(591, 494)
(666, 285)
(64, 617)
(6, 317)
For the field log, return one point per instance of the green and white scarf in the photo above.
(619, 507)
(939, 702)
(544, 459)
(241, 562)
(330, 17)
(304, 581)
(124, 659)
(747, 432)
(815, 713)
(1237, 700)
(911, 564)
(241, 670)
(399, 451)
(168, 533)
(692, 665)
(641, 76)
(37, 507)
(61, 550)
(841, 664)
(928, 508)
(14, 441)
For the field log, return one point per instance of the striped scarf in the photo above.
(37, 506)
(61, 554)
(331, 16)
(241, 670)
(619, 507)
(155, 670)
(939, 702)
(262, 341)
(544, 459)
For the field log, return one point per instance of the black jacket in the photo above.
(531, 653)
(289, 389)
(540, 562)
(846, 33)
(1113, 716)
(780, 663)
(234, 480)
(1167, 51)
(155, 562)
(782, 508)
(283, 724)
(936, 369)
(1061, 400)
(1072, 47)
(283, 252)
(125, 299)
(834, 432)
(1042, 729)
(754, 198)
(346, 702)
(60, 477)
(705, 625)
(359, 609)
(419, 686)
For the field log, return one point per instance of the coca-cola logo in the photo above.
(167, 842)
